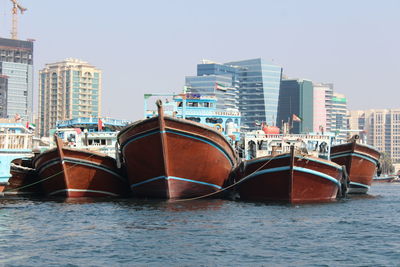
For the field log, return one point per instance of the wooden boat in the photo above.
(69, 172)
(384, 179)
(173, 158)
(290, 178)
(23, 179)
(361, 163)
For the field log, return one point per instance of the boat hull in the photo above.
(361, 163)
(289, 178)
(23, 179)
(79, 173)
(173, 158)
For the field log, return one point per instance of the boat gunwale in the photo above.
(203, 126)
(287, 155)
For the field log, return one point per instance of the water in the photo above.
(361, 231)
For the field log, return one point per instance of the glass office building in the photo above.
(16, 63)
(259, 84)
(217, 80)
(296, 98)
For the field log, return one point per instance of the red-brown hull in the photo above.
(361, 163)
(290, 179)
(79, 174)
(178, 159)
(23, 179)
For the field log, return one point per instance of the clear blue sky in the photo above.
(150, 46)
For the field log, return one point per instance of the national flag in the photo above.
(296, 118)
(100, 125)
(257, 123)
(30, 126)
(220, 86)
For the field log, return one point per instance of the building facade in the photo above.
(296, 100)
(67, 90)
(16, 64)
(3, 95)
(259, 84)
(320, 110)
(339, 120)
(380, 128)
(217, 80)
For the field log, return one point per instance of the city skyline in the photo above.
(340, 42)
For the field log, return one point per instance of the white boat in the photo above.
(260, 144)
(93, 134)
(15, 142)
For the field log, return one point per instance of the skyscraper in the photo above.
(320, 110)
(339, 120)
(251, 85)
(16, 66)
(296, 100)
(218, 80)
(67, 90)
(259, 83)
(3, 95)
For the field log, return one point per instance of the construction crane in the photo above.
(16, 6)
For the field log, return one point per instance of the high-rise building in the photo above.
(217, 80)
(259, 83)
(67, 90)
(381, 128)
(3, 95)
(16, 66)
(339, 121)
(320, 110)
(296, 105)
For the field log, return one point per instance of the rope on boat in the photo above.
(228, 187)
(303, 155)
(44, 179)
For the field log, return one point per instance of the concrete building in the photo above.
(320, 110)
(296, 99)
(16, 66)
(380, 128)
(67, 90)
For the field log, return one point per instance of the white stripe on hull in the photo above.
(357, 190)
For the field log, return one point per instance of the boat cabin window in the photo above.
(214, 120)
(192, 104)
(206, 104)
(193, 119)
(96, 142)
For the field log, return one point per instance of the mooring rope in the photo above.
(44, 179)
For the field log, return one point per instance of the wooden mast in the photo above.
(163, 136)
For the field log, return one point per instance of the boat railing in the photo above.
(16, 141)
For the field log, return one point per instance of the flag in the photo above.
(296, 118)
(220, 86)
(30, 126)
(257, 123)
(100, 125)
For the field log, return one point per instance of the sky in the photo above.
(150, 46)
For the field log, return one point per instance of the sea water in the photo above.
(358, 231)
